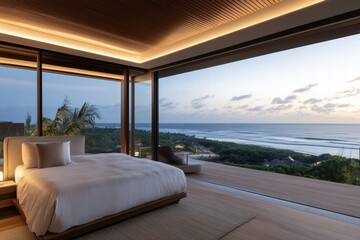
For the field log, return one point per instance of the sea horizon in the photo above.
(314, 139)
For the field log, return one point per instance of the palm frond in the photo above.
(62, 112)
(68, 121)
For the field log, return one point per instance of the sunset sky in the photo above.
(318, 83)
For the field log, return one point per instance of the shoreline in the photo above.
(306, 148)
(316, 150)
(306, 143)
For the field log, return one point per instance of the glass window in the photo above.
(83, 105)
(141, 142)
(17, 103)
(295, 112)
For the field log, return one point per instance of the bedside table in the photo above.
(7, 193)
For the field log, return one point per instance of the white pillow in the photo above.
(29, 156)
(50, 155)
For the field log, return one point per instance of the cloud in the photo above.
(288, 99)
(313, 101)
(343, 105)
(354, 80)
(280, 107)
(203, 98)
(198, 103)
(329, 107)
(165, 104)
(305, 89)
(322, 109)
(348, 93)
(241, 97)
(236, 108)
(256, 109)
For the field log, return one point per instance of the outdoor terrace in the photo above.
(335, 197)
(286, 207)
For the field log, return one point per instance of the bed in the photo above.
(92, 191)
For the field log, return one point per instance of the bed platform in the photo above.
(13, 159)
(108, 220)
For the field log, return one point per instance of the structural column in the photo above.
(39, 93)
(132, 110)
(155, 114)
(125, 113)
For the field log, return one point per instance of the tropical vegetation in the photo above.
(325, 167)
(72, 121)
(67, 120)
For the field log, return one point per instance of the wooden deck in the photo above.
(278, 222)
(274, 221)
(336, 197)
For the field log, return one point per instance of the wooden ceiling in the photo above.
(137, 24)
(150, 33)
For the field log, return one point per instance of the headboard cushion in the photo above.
(13, 154)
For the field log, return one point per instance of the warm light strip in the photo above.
(71, 41)
(22, 63)
(65, 40)
(266, 14)
(15, 62)
(83, 72)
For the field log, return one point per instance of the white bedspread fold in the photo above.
(93, 186)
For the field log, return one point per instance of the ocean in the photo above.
(315, 139)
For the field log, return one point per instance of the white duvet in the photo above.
(93, 186)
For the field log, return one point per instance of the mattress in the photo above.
(92, 186)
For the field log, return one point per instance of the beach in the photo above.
(336, 139)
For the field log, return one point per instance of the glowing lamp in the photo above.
(136, 154)
(1, 176)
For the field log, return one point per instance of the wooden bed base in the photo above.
(108, 220)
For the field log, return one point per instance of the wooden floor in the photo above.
(336, 197)
(10, 218)
(278, 222)
(272, 221)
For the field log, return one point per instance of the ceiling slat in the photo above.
(139, 24)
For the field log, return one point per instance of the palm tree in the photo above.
(28, 124)
(69, 121)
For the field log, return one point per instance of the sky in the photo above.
(18, 93)
(319, 83)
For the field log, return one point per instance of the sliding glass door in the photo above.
(140, 127)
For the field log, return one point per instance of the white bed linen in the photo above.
(93, 186)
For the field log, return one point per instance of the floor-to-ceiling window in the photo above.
(295, 112)
(141, 136)
(83, 99)
(83, 105)
(18, 89)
